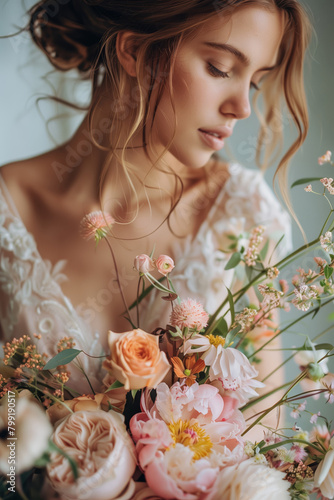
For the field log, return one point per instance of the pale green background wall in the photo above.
(23, 132)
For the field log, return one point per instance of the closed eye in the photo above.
(216, 72)
(254, 86)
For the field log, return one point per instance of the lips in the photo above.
(214, 138)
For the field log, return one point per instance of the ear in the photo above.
(126, 50)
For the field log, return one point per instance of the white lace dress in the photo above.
(31, 297)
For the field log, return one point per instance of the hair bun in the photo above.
(62, 30)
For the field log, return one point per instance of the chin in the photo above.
(193, 159)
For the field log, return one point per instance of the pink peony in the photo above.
(189, 314)
(143, 263)
(96, 225)
(185, 438)
(164, 264)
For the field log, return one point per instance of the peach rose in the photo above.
(104, 454)
(82, 403)
(143, 263)
(136, 360)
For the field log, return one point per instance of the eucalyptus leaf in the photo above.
(62, 358)
(305, 180)
(233, 261)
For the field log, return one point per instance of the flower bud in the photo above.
(315, 372)
(143, 263)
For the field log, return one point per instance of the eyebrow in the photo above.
(225, 47)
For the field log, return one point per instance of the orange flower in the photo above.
(189, 369)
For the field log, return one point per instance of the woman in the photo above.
(170, 82)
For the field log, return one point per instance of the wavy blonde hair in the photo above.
(82, 34)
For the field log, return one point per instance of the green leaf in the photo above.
(220, 328)
(62, 358)
(73, 464)
(305, 180)
(231, 335)
(231, 302)
(276, 246)
(115, 385)
(233, 261)
(133, 393)
(264, 250)
(328, 271)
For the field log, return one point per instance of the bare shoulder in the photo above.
(27, 179)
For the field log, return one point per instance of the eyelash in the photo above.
(222, 74)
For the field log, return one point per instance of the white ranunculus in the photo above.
(324, 475)
(252, 481)
(32, 432)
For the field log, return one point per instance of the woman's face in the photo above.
(213, 75)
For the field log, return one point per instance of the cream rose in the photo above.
(136, 360)
(32, 430)
(104, 454)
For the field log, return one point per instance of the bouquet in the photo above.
(172, 417)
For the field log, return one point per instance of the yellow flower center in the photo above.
(187, 372)
(215, 340)
(191, 435)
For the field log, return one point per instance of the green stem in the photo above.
(288, 441)
(118, 280)
(311, 311)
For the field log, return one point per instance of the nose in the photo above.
(236, 104)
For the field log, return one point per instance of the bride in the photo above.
(170, 82)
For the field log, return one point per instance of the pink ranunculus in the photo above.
(143, 263)
(136, 360)
(165, 264)
(104, 454)
(189, 314)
